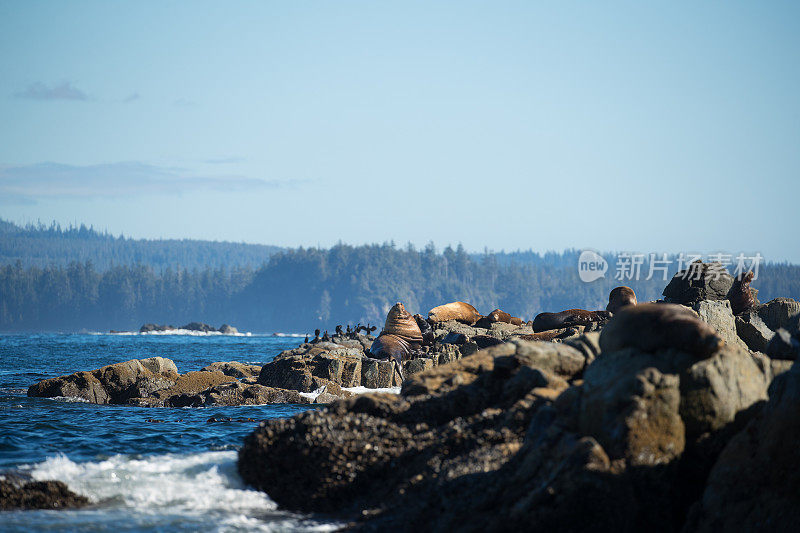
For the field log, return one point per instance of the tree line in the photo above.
(301, 289)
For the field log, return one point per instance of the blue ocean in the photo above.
(144, 469)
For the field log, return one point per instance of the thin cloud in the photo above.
(131, 98)
(184, 102)
(108, 180)
(225, 160)
(42, 91)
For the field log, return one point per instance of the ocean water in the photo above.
(144, 469)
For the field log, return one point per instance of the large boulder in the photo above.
(235, 393)
(755, 484)
(699, 281)
(312, 366)
(18, 493)
(718, 315)
(115, 384)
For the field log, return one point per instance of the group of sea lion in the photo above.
(404, 335)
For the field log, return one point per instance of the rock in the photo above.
(147, 328)
(651, 327)
(753, 331)
(114, 384)
(225, 329)
(700, 281)
(783, 346)
(779, 313)
(234, 369)
(587, 344)
(454, 338)
(560, 359)
(199, 326)
(16, 493)
(754, 484)
(718, 315)
(187, 385)
(453, 326)
(235, 393)
(311, 366)
(415, 366)
(377, 374)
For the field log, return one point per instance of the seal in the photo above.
(741, 295)
(570, 317)
(652, 327)
(460, 311)
(619, 298)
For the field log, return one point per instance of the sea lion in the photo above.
(651, 327)
(619, 298)
(400, 322)
(495, 316)
(460, 311)
(388, 346)
(570, 317)
(741, 295)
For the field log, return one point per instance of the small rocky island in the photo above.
(681, 414)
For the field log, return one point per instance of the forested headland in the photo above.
(300, 289)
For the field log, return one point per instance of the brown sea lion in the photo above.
(400, 322)
(460, 311)
(619, 298)
(388, 346)
(570, 317)
(740, 295)
(651, 327)
(495, 316)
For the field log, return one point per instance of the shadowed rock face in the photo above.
(699, 281)
(526, 435)
(21, 494)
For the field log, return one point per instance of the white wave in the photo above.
(188, 332)
(197, 491)
(69, 399)
(364, 390)
(297, 335)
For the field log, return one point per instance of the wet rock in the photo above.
(16, 493)
(114, 384)
(311, 366)
(235, 393)
(226, 329)
(234, 369)
(377, 374)
(415, 366)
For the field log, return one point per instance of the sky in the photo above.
(640, 126)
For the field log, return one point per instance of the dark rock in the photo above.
(235, 393)
(454, 338)
(147, 328)
(198, 326)
(312, 366)
(700, 281)
(753, 331)
(16, 493)
(225, 329)
(755, 483)
(779, 313)
(783, 346)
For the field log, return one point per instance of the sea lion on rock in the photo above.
(495, 316)
(651, 327)
(390, 346)
(460, 311)
(741, 295)
(570, 317)
(619, 298)
(400, 322)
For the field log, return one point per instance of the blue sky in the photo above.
(630, 126)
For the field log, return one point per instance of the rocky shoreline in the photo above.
(661, 416)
